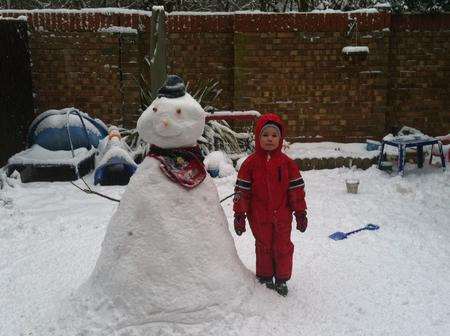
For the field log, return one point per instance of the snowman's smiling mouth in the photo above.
(168, 129)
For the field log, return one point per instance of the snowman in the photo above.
(168, 263)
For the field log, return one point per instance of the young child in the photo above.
(269, 188)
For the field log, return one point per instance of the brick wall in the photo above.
(77, 69)
(420, 73)
(200, 49)
(75, 62)
(291, 64)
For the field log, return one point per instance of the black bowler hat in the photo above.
(173, 87)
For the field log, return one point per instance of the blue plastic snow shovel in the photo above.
(342, 235)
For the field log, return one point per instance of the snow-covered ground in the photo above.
(394, 281)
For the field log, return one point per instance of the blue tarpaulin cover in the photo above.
(56, 129)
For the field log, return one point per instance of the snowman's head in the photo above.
(174, 119)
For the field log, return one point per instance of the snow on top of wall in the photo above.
(235, 113)
(355, 50)
(337, 11)
(203, 13)
(19, 18)
(111, 11)
(118, 29)
(106, 11)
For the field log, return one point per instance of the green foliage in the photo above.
(218, 135)
(137, 145)
(205, 93)
(420, 6)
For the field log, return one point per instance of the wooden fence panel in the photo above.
(16, 98)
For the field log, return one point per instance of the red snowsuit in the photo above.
(269, 188)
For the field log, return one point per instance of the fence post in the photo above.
(158, 62)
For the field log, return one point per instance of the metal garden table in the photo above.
(402, 144)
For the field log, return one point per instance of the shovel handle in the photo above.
(352, 232)
(369, 227)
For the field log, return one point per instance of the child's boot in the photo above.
(281, 287)
(268, 281)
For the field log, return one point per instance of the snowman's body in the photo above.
(164, 257)
(168, 258)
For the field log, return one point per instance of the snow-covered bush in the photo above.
(420, 6)
(218, 135)
(205, 93)
(138, 147)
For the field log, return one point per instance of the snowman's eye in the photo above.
(178, 111)
(155, 109)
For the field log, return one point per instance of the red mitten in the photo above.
(302, 221)
(239, 223)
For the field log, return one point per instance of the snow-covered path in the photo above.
(394, 281)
